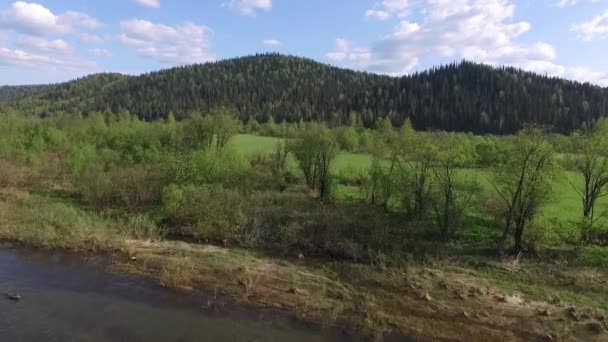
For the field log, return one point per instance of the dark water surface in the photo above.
(69, 298)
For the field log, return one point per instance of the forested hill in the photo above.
(460, 97)
(8, 93)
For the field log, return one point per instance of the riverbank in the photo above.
(448, 298)
(71, 297)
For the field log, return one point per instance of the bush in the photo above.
(541, 233)
(487, 155)
(351, 176)
(593, 256)
(348, 138)
(592, 233)
(14, 173)
(40, 222)
(206, 212)
(292, 222)
(492, 205)
(132, 188)
(141, 227)
(224, 167)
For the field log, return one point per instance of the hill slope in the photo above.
(8, 93)
(461, 97)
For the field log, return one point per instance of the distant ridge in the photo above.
(462, 96)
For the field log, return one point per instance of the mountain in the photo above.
(461, 96)
(8, 93)
(77, 96)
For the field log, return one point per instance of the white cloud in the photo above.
(584, 74)
(20, 58)
(90, 38)
(479, 30)
(23, 27)
(474, 29)
(378, 14)
(35, 19)
(149, 3)
(101, 52)
(344, 51)
(389, 8)
(271, 42)
(596, 28)
(568, 3)
(342, 48)
(76, 19)
(249, 7)
(42, 45)
(183, 44)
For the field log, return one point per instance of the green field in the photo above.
(253, 144)
(560, 213)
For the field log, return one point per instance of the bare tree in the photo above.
(224, 126)
(524, 183)
(453, 194)
(315, 149)
(385, 157)
(279, 159)
(590, 159)
(416, 165)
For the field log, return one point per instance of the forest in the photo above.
(378, 227)
(8, 93)
(459, 97)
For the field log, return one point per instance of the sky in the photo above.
(57, 40)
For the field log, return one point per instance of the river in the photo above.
(67, 297)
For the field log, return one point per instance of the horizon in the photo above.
(49, 41)
(438, 66)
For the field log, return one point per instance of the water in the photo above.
(68, 298)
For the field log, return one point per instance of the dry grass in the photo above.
(41, 222)
(444, 301)
(14, 174)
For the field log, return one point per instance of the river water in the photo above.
(68, 298)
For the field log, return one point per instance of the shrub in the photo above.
(140, 226)
(540, 232)
(14, 173)
(224, 167)
(176, 272)
(40, 222)
(487, 154)
(593, 256)
(348, 138)
(292, 222)
(133, 187)
(207, 212)
(81, 158)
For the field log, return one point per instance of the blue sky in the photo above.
(57, 40)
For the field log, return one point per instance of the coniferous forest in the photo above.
(461, 96)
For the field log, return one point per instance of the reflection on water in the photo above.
(68, 299)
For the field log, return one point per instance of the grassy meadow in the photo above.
(564, 209)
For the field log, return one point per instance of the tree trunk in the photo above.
(500, 246)
(519, 236)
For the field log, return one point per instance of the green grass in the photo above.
(347, 161)
(51, 223)
(561, 213)
(253, 144)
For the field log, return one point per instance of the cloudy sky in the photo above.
(57, 40)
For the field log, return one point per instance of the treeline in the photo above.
(463, 96)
